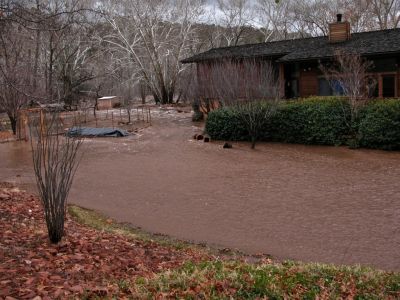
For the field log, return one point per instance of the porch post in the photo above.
(281, 81)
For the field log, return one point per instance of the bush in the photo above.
(319, 120)
(379, 125)
(225, 124)
(312, 121)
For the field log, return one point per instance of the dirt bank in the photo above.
(305, 203)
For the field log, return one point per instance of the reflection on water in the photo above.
(16, 164)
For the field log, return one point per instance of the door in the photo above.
(388, 86)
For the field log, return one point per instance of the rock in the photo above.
(100, 291)
(200, 137)
(225, 250)
(227, 146)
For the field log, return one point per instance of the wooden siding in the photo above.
(308, 83)
(103, 104)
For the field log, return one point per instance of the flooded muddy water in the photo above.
(307, 203)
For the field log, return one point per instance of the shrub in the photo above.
(225, 124)
(379, 125)
(311, 121)
(255, 116)
(319, 120)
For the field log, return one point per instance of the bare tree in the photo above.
(234, 16)
(42, 56)
(251, 88)
(55, 160)
(127, 104)
(15, 69)
(153, 36)
(311, 17)
(348, 73)
(387, 12)
(274, 18)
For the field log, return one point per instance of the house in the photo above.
(108, 102)
(298, 61)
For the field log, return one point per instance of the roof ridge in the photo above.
(377, 41)
(297, 39)
(262, 43)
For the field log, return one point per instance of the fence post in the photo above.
(150, 115)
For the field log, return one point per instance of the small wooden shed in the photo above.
(108, 102)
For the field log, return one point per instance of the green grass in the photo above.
(100, 222)
(238, 280)
(234, 279)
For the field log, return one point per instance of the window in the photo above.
(337, 88)
(324, 87)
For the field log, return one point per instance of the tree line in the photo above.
(68, 50)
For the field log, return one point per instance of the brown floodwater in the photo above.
(307, 203)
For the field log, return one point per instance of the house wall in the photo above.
(204, 80)
(382, 66)
(238, 78)
(307, 77)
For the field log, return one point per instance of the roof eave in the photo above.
(331, 56)
(193, 60)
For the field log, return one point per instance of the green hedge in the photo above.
(225, 124)
(379, 125)
(314, 121)
(323, 121)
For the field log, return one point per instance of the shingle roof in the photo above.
(364, 43)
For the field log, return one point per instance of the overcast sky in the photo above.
(213, 11)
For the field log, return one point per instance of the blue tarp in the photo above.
(96, 132)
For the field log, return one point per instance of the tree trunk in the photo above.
(167, 97)
(143, 92)
(13, 121)
(164, 96)
(55, 227)
(50, 69)
(253, 142)
(156, 98)
(36, 64)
